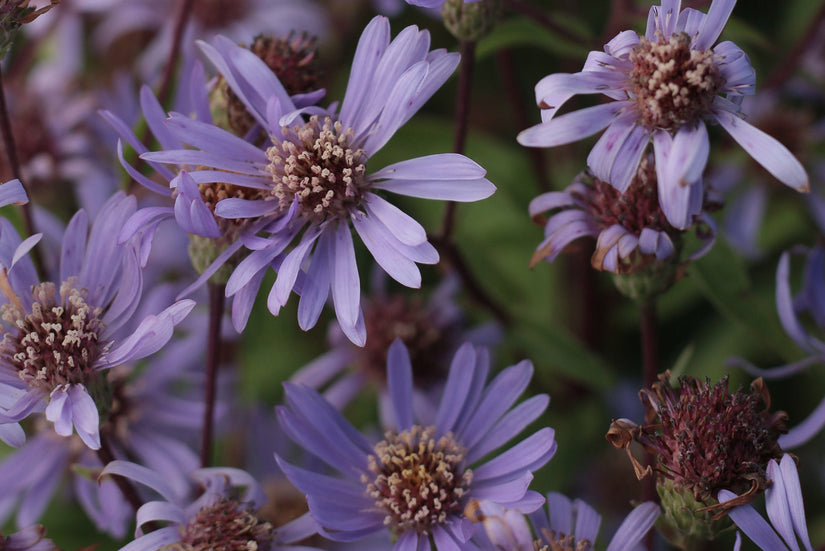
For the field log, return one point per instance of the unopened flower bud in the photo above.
(470, 21)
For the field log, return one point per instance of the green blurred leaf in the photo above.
(521, 32)
(556, 352)
(723, 279)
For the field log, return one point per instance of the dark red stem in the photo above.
(106, 456)
(174, 53)
(650, 366)
(216, 305)
(14, 165)
(790, 63)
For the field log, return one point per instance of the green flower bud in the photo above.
(471, 21)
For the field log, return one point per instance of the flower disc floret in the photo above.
(673, 84)
(228, 526)
(315, 164)
(58, 341)
(562, 542)
(419, 480)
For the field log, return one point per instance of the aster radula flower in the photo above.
(311, 183)
(61, 335)
(416, 482)
(786, 511)
(666, 84)
(219, 512)
(630, 228)
(564, 524)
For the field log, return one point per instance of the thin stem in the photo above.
(650, 366)
(216, 305)
(546, 20)
(14, 163)
(106, 456)
(177, 37)
(620, 12)
(465, 88)
(474, 288)
(786, 69)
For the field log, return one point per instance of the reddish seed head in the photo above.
(226, 525)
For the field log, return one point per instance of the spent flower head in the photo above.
(703, 438)
(667, 84)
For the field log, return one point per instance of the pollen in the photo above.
(315, 164)
(673, 84)
(419, 481)
(57, 342)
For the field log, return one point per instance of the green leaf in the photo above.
(524, 32)
(556, 352)
(722, 278)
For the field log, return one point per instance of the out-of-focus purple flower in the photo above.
(219, 512)
(786, 511)
(565, 524)
(666, 84)
(310, 185)
(60, 337)
(452, 460)
(431, 331)
(433, 3)
(748, 192)
(630, 228)
(811, 301)
(240, 20)
(32, 538)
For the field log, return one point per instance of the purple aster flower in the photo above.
(218, 513)
(666, 84)
(311, 184)
(60, 337)
(32, 538)
(630, 229)
(786, 511)
(810, 301)
(452, 459)
(154, 417)
(564, 525)
(748, 190)
(431, 331)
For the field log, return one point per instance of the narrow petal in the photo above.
(752, 523)
(346, 286)
(400, 384)
(765, 150)
(571, 127)
(714, 22)
(85, 416)
(635, 527)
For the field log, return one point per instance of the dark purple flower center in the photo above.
(672, 83)
(57, 341)
(419, 481)
(408, 319)
(315, 164)
(226, 526)
(635, 209)
(294, 61)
